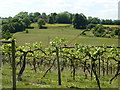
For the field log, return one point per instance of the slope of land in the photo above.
(62, 31)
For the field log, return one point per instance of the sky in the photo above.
(104, 9)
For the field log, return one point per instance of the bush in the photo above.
(40, 23)
(90, 26)
(99, 31)
(107, 36)
(116, 31)
(6, 35)
(26, 31)
(112, 33)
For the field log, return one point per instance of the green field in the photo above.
(62, 31)
(111, 25)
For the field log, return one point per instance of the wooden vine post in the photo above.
(99, 67)
(13, 65)
(58, 66)
(91, 75)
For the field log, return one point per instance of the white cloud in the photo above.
(101, 8)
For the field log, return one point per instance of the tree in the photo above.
(40, 22)
(64, 17)
(83, 21)
(44, 17)
(54, 16)
(95, 20)
(13, 27)
(76, 21)
(79, 21)
(4, 27)
(116, 22)
(116, 30)
(27, 22)
(31, 17)
(99, 31)
(6, 35)
(51, 20)
(36, 14)
(90, 26)
(22, 17)
(89, 19)
(103, 21)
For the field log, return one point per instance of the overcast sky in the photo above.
(104, 9)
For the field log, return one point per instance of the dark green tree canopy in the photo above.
(99, 31)
(79, 21)
(90, 26)
(64, 17)
(51, 20)
(40, 22)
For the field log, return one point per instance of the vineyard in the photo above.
(89, 62)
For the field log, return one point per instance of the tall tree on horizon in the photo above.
(79, 21)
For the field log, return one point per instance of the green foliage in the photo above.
(53, 16)
(6, 35)
(51, 20)
(22, 17)
(18, 23)
(58, 42)
(99, 31)
(63, 17)
(95, 21)
(117, 31)
(13, 27)
(90, 26)
(36, 14)
(107, 22)
(9, 28)
(26, 31)
(79, 21)
(40, 23)
(26, 22)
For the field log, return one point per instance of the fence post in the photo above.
(13, 65)
(91, 70)
(58, 66)
(99, 68)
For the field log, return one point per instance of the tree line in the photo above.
(22, 20)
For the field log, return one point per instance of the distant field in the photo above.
(61, 31)
(111, 25)
(56, 25)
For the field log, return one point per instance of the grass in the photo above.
(33, 80)
(61, 31)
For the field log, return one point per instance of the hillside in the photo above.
(63, 31)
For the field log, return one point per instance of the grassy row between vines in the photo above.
(33, 80)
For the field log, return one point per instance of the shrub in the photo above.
(90, 26)
(40, 23)
(26, 31)
(99, 31)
